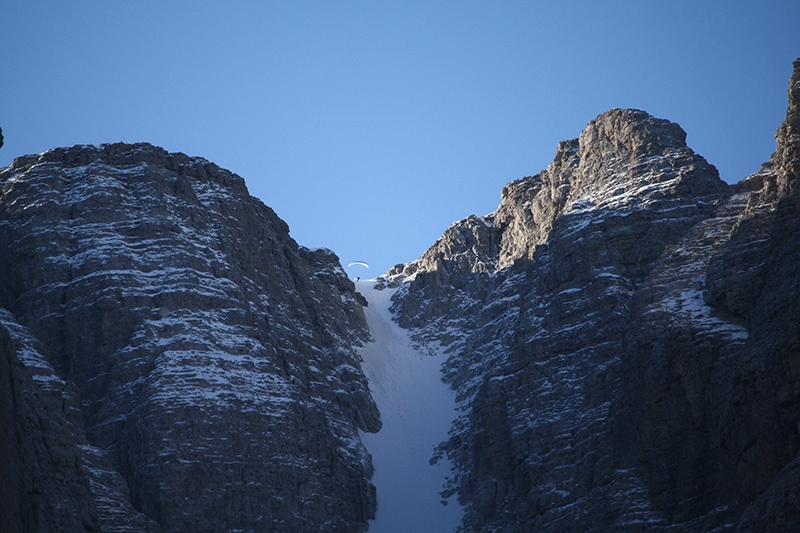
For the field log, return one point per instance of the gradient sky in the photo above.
(372, 126)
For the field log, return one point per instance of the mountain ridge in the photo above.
(621, 334)
(617, 328)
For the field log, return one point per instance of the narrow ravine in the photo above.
(417, 409)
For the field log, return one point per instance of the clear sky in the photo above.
(372, 126)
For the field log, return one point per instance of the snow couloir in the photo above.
(417, 409)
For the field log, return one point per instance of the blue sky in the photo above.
(371, 126)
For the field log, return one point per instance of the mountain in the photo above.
(171, 359)
(622, 335)
(624, 338)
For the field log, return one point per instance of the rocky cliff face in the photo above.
(623, 333)
(173, 360)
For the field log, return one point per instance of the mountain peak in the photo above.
(128, 155)
(632, 356)
(786, 158)
(631, 131)
(637, 158)
(624, 160)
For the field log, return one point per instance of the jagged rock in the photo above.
(756, 277)
(622, 332)
(214, 357)
(786, 158)
(538, 371)
(624, 338)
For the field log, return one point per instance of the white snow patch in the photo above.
(417, 410)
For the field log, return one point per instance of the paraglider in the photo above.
(358, 263)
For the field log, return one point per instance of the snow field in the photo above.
(417, 409)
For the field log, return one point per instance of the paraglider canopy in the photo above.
(360, 263)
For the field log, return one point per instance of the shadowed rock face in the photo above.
(756, 279)
(212, 359)
(43, 483)
(622, 331)
(623, 334)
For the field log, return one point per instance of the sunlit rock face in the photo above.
(623, 338)
(209, 362)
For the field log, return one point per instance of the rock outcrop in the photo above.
(623, 335)
(623, 338)
(194, 368)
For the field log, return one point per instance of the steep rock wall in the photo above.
(213, 357)
(624, 338)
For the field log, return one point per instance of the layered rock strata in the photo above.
(623, 333)
(623, 338)
(210, 363)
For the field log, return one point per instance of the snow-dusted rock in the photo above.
(621, 333)
(624, 338)
(215, 359)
